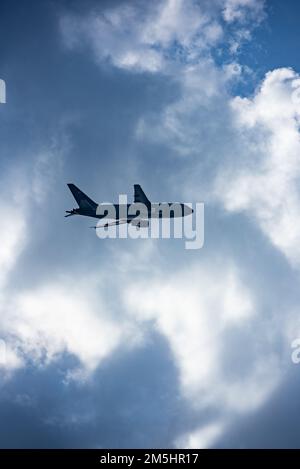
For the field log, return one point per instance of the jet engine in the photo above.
(140, 223)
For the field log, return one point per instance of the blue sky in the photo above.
(141, 343)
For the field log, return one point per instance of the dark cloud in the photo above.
(276, 425)
(132, 400)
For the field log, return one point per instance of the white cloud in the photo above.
(239, 10)
(202, 438)
(151, 36)
(53, 319)
(40, 324)
(180, 124)
(196, 310)
(17, 192)
(10, 361)
(196, 124)
(135, 38)
(183, 22)
(13, 236)
(263, 177)
(13, 226)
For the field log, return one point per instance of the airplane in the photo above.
(138, 213)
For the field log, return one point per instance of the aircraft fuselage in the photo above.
(135, 210)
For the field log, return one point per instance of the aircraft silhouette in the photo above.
(138, 213)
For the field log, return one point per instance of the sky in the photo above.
(141, 343)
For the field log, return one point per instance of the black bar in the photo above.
(143, 457)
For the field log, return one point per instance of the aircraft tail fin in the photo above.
(140, 196)
(81, 198)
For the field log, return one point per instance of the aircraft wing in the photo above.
(113, 223)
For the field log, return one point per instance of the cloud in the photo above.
(10, 361)
(239, 10)
(113, 35)
(265, 169)
(41, 322)
(14, 236)
(13, 223)
(201, 311)
(146, 37)
(55, 319)
(247, 147)
(192, 121)
(202, 438)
